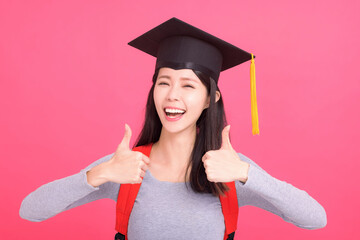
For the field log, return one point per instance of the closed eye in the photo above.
(164, 83)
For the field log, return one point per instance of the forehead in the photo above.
(186, 74)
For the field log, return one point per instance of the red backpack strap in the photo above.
(230, 209)
(126, 198)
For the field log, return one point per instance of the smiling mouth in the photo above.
(173, 114)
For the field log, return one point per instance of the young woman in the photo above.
(181, 170)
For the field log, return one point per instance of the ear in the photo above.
(217, 97)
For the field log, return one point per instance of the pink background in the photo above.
(69, 82)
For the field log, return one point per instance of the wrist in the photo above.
(243, 172)
(96, 176)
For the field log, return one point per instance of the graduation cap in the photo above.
(179, 45)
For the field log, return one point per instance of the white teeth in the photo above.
(169, 110)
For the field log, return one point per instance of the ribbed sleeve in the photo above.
(63, 194)
(279, 197)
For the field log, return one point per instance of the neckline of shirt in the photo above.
(165, 182)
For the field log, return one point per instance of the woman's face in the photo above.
(180, 97)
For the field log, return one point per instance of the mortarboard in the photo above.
(179, 45)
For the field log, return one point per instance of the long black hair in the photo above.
(210, 125)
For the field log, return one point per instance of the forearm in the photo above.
(279, 197)
(54, 197)
(62, 194)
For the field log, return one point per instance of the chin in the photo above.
(174, 128)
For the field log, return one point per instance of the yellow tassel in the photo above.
(254, 110)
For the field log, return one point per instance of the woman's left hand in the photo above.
(225, 165)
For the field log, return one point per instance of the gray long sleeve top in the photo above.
(164, 209)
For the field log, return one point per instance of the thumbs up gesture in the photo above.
(225, 165)
(126, 166)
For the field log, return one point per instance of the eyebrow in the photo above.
(182, 78)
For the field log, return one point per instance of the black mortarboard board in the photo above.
(179, 45)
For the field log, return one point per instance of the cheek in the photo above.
(159, 95)
(156, 98)
(197, 102)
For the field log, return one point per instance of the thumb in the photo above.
(125, 143)
(225, 138)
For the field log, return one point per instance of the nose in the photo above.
(174, 93)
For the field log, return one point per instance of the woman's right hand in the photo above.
(126, 166)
